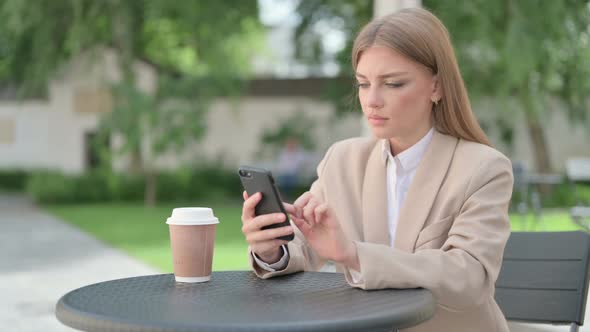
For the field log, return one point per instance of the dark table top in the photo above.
(239, 301)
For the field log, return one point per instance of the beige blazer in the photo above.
(451, 231)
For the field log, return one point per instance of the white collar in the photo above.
(410, 158)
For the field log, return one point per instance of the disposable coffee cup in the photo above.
(192, 238)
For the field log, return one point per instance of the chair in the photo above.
(544, 278)
(519, 170)
(578, 171)
(529, 186)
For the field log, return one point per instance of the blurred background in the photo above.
(114, 112)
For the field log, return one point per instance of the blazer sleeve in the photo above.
(462, 273)
(301, 256)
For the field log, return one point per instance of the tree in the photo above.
(347, 16)
(529, 51)
(297, 126)
(199, 48)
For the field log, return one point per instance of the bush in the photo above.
(207, 181)
(56, 187)
(127, 188)
(93, 187)
(210, 181)
(13, 180)
(51, 187)
(564, 195)
(581, 194)
(171, 187)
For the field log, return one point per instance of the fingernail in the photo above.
(280, 217)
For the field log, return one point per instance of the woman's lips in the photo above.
(376, 120)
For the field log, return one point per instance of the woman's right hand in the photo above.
(263, 243)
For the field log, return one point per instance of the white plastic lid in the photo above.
(192, 216)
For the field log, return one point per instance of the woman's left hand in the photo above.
(320, 227)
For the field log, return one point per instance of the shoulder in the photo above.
(480, 164)
(352, 150)
(480, 155)
(349, 155)
(356, 145)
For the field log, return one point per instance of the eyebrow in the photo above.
(387, 75)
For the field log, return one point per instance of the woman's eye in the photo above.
(394, 85)
(362, 85)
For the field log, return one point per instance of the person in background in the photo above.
(423, 203)
(290, 162)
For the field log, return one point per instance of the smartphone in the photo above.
(255, 180)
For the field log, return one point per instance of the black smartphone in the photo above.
(255, 179)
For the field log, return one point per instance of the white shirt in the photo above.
(401, 170)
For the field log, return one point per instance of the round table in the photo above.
(240, 301)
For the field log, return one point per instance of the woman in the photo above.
(422, 204)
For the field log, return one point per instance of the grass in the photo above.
(557, 220)
(143, 234)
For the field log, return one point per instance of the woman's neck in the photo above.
(399, 144)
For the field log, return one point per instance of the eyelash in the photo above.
(395, 85)
(390, 85)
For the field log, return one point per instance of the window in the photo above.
(92, 100)
(7, 132)
(97, 149)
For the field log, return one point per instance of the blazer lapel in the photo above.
(423, 190)
(374, 199)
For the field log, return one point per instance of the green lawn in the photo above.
(142, 231)
(550, 221)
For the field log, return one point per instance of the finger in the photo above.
(245, 195)
(321, 212)
(303, 200)
(289, 208)
(258, 222)
(267, 219)
(267, 245)
(248, 211)
(293, 210)
(301, 225)
(269, 234)
(308, 211)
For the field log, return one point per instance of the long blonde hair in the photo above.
(420, 36)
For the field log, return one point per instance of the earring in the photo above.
(435, 102)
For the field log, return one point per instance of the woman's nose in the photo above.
(374, 98)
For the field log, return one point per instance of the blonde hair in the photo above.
(420, 36)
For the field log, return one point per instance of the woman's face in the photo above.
(395, 93)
